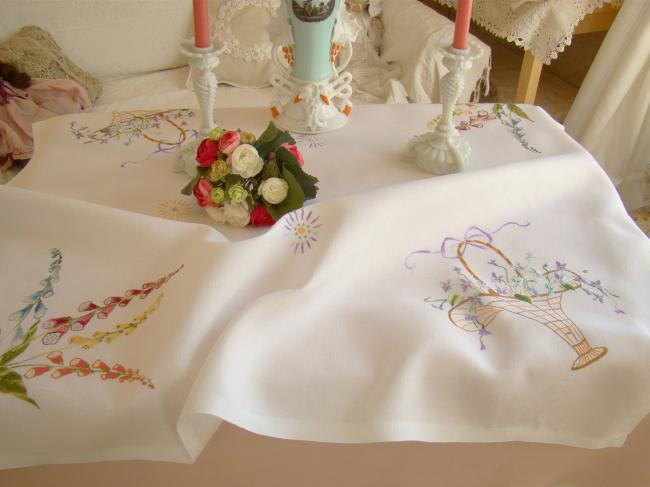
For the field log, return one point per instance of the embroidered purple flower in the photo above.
(465, 285)
(496, 278)
(559, 266)
(446, 285)
(436, 303)
(482, 333)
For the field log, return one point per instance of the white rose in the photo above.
(216, 213)
(274, 190)
(236, 215)
(186, 161)
(246, 161)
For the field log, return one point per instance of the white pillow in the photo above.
(240, 26)
(108, 38)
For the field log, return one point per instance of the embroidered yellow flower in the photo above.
(120, 329)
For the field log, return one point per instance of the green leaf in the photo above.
(16, 350)
(187, 190)
(270, 133)
(569, 287)
(523, 297)
(294, 200)
(12, 383)
(265, 148)
(497, 109)
(519, 111)
(306, 181)
(271, 170)
(454, 299)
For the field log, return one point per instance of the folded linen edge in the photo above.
(201, 417)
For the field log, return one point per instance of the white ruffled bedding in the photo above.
(167, 89)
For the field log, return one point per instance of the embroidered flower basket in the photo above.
(545, 309)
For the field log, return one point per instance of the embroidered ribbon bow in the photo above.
(472, 236)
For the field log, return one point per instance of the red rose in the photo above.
(207, 152)
(202, 191)
(296, 153)
(228, 142)
(260, 217)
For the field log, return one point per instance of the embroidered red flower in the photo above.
(296, 153)
(260, 217)
(228, 142)
(207, 152)
(202, 190)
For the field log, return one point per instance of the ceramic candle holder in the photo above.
(203, 61)
(444, 151)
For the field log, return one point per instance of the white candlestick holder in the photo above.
(203, 61)
(444, 151)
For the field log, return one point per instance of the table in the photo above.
(543, 28)
(342, 342)
(364, 147)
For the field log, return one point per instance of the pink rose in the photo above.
(202, 192)
(207, 152)
(296, 153)
(228, 142)
(260, 217)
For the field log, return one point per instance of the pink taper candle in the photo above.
(463, 16)
(201, 31)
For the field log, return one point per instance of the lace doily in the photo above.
(34, 51)
(544, 27)
(235, 47)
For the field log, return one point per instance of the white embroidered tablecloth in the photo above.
(506, 303)
(544, 27)
(123, 159)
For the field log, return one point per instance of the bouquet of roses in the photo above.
(241, 180)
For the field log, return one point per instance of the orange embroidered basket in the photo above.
(545, 309)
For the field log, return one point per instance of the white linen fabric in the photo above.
(543, 27)
(373, 80)
(412, 38)
(339, 340)
(611, 113)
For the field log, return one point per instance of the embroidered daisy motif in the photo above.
(174, 209)
(302, 229)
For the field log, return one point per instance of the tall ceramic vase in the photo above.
(311, 93)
